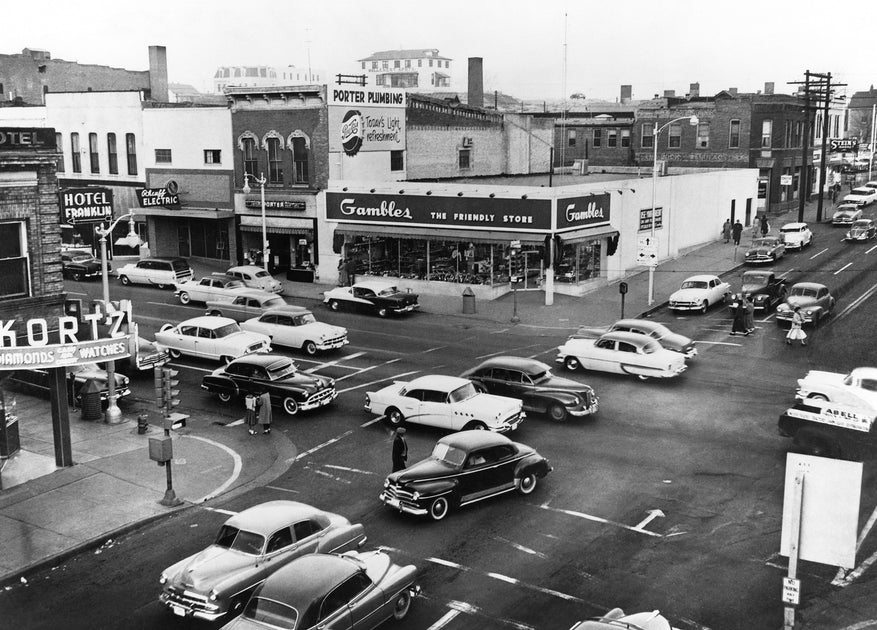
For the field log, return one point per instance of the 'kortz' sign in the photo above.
(366, 119)
(85, 205)
(157, 197)
(587, 211)
(25, 138)
(444, 212)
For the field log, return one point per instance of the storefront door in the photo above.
(532, 269)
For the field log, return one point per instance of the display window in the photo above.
(580, 262)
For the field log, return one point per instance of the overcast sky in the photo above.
(531, 49)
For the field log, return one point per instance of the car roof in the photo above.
(629, 337)
(264, 359)
(375, 285)
(267, 518)
(467, 440)
(250, 292)
(808, 285)
(307, 579)
(758, 272)
(639, 323)
(863, 221)
(439, 382)
(863, 189)
(207, 321)
(289, 309)
(793, 226)
(165, 259)
(245, 268)
(529, 366)
(865, 372)
(702, 277)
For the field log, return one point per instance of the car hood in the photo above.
(675, 341)
(753, 287)
(826, 378)
(425, 469)
(206, 568)
(688, 294)
(321, 330)
(858, 229)
(561, 384)
(759, 251)
(304, 382)
(89, 265)
(800, 300)
(100, 376)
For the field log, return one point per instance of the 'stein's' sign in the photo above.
(24, 138)
(576, 212)
(85, 205)
(157, 197)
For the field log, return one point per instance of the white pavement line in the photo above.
(597, 519)
(842, 574)
(235, 473)
(694, 624)
(857, 572)
(818, 253)
(446, 563)
(78, 293)
(325, 474)
(857, 302)
(172, 304)
(532, 552)
(355, 470)
(842, 268)
(785, 273)
(498, 332)
(862, 625)
(189, 367)
(380, 380)
(368, 423)
(447, 618)
(766, 319)
(867, 252)
(235, 423)
(434, 349)
(320, 366)
(283, 489)
(540, 589)
(719, 343)
(221, 511)
(318, 447)
(369, 368)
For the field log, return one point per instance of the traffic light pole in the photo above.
(167, 399)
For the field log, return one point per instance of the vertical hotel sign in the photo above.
(366, 119)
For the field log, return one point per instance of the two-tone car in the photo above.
(764, 288)
(846, 214)
(81, 265)
(296, 327)
(213, 287)
(861, 231)
(621, 353)
(814, 299)
(765, 250)
(349, 591)
(258, 373)
(861, 196)
(250, 546)
(698, 293)
(655, 330)
(447, 402)
(796, 235)
(255, 277)
(159, 272)
(380, 298)
(245, 304)
(464, 468)
(208, 337)
(532, 382)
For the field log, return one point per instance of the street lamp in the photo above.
(693, 120)
(261, 181)
(113, 414)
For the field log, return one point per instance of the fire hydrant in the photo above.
(142, 424)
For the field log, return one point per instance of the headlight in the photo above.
(213, 595)
(808, 312)
(416, 496)
(386, 483)
(162, 579)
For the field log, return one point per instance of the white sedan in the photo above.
(296, 327)
(622, 353)
(698, 293)
(211, 288)
(448, 402)
(862, 196)
(857, 389)
(218, 338)
(796, 235)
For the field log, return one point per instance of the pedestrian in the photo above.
(765, 226)
(738, 312)
(748, 314)
(835, 188)
(726, 230)
(264, 406)
(351, 272)
(342, 272)
(400, 450)
(737, 231)
(251, 418)
(796, 331)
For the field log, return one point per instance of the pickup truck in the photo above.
(828, 429)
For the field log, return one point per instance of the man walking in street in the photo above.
(737, 231)
(400, 450)
(265, 412)
(765, 226)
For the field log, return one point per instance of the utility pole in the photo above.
(802, 179)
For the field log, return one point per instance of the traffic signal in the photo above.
(159, 387)
(170, 395)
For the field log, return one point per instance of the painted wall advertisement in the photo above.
(366, 119)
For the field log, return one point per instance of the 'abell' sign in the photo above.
(86, 205)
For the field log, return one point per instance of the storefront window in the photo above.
(581, 261)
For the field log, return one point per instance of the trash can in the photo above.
(90, 400)
(468, 300)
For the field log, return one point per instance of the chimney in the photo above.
(732, 91)
(626, 94)
(768, 87)
(158, 74)
(476, 82)
(694, 90)
(669, 93)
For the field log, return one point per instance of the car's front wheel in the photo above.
(527, 484)
(290, 406)
(224, 397)
(215, 313)
(334, 305)
(185, 298)
(704, 306)
(395, 417)
(557, 412)
(439, 508)
(571, 363)
(475, 426)
(402, 605)
(310, 348)
(174, 353)
(818, 397)
(124, 280)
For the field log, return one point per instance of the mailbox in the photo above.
(161, 449)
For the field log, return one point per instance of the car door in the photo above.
(335, 608)
(629, 359)
(482, 475)
(498, 381)
(600, 356)
(205, 343)
(186, 339)
(409, 404)
(287, 332)
(435, 410)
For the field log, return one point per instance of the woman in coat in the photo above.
(265, 412)
(342, 273)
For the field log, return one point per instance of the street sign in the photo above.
(843, 144)
(785, 180)
(791, 591)
(647, 250)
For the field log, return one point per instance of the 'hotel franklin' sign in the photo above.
(86, 205)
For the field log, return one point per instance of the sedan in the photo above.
(657, 331)
(296, 327)
(279, 376)
(846, 214)
(698, 293)
(767, 249)
(208, 337)
(535, 386)
(463, 468)
(616, 619)
(350, 591)
(814, 299)
(215, 287)
(862, 196)
(245, 304)
(381, 298)
(448, 402)
(861, 230)
(79, 265)
(622, 353)
(249, 547)
(796, 235)
(255, 277)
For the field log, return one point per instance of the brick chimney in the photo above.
(669, 93)
(626, 94)
(694, 90)
(732, 91)
(476, 82)
(158, 89)
(768, 87)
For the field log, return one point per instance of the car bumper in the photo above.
(332, 344)
(584, 411)
(794, 245)
(405, 309)
(688, 353)
(402, 506)
(180, 606)
(787, 317)
(318, 400)
(685, 306)
(857, 237)
(510, 424)
(759, 260)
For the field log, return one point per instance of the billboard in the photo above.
(366, 119)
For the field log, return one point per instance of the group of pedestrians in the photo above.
(346, 272)
(258, 412)
(733, 231)
(743, 314)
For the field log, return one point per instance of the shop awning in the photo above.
(183, 213)
(277, 225)
(587, 234)
(439, 234)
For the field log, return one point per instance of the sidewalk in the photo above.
(115, 483)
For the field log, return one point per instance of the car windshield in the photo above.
(790, 230)
(281, 371)
(803, 292)
(82, 258)
(233, 538)
(388, 291)
(755, 278)
(227, 329)
(271, 612)
(694, 284)
(449, 454)
(307, 318)
(861, 224)
(273, 302)
(262, 274)
(463, 392)
(864, 190)
(764, 242)
(180, 265)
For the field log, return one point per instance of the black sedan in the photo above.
(80, 265)
(381, 298)
(533, 383)
(764, 288)
(279, 376)
(464, 467)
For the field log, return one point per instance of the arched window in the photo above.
(247, 145)
(300, 145)
(275, 161)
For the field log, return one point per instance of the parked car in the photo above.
(248, 548)
(871, 184)
(616, 619)
(535, 386)
(212, 288)
(655, 330)
(40, 381)
(210, 337)
(296, 327)
(857, 389)
(382, 298)
(448, 402)
(245, 304)
(814, 299)
(764, 288)
(255, 277)
(862, 196)
(350, 591)
(161, 272)
(861, 230)
(796, 235)
(846, 214)
(767, 249)
(622, 353)
(279, 376)
(80, 265)
(463, 468)
(698, 293)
